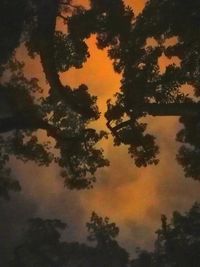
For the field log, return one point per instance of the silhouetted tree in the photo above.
(177, 243)
(165, 23)
(64, 114)
(145, 90)
(108, 252)
(41, 245)
(101, 231)
(23, 113)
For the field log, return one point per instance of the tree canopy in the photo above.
(145, 90)
(66, 112)
(135, 44)
(41, 245)
(177, 244)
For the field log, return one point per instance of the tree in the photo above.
(163, 26)
(144, 89)
(101, 230)
(108, 251)
(64, 114)
(41, 245)
(177, 243)
(78, 157)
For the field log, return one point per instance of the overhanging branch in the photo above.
(12, 123)
(154, 109)
(47, 14)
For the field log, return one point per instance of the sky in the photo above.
(133, 198)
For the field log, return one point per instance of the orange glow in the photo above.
(124, 193)
(98, 74)
(137, 5)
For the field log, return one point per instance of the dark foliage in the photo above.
(177, 244)
(42, 246)
(66, 113)
(145, 90)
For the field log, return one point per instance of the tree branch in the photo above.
(154, 109)
(18, 122)
(47, 14)
(171, 109)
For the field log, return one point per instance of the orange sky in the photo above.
(134, 198)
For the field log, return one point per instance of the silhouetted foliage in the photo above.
(177, 243)
(66, 112)
(41, 245)
(101, 230)
(166, 23)
(108, 252)
(145, 90)
(135, 45)
(26, 113)
(189, 152)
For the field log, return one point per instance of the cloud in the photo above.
(133, 198)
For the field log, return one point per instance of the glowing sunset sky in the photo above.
(133, 198)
